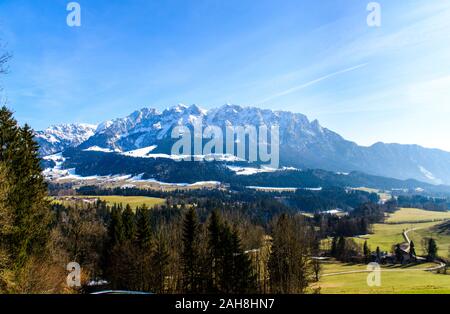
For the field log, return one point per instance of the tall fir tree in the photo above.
(9, 133)
(129, 223)
(341, 248)
(160, 262)
(244, 276)
(191, 266)
(366, 252)
(227, 257)
(144, 231)
(28, 196)
(26, 200)
(214, 251)
(33, 216)
(431, 249)
(116, 230)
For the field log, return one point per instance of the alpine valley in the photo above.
(138, 147)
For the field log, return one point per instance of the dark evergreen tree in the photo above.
(243, 277)
(33, 215)
(28, 195)
(190, 258)
(398, 253)
(116, 229)
(27, 201)
(227, 256)
(215, 251)
(144, 232)
(9, 136)
(431, 249)
(341, 248)
(366, 252)
(160, 261)
(129, 223)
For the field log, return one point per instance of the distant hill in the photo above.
(96, 163)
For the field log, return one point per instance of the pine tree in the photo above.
(243, 277)
(160, 262)
(33, 215)
(9, 133)
(227, 257)
(26, 200)
(341, 248)
(129, 223)
(214, 248)
(28, 197)
(432, 249)
(190, 253)
(366, 252)
(144, 231)
(116, 229)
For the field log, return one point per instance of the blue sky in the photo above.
(320, 58)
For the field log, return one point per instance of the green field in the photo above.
(394, 279)
(388, 234)
(416, 215)
(133, 201)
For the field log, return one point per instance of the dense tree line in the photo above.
(89, 163)
(424, 202)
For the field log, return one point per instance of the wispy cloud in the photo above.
(312, 82)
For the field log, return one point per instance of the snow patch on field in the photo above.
(141, 152)
(269, 189)
(281, 189)
(247, 171)
(100, 149)
(139, 179)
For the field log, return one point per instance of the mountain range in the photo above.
(304, 144)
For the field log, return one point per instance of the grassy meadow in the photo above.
(394, 279)
(416, 215)
(422, 223)
(133, 201)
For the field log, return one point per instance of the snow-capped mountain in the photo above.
(59, 137)
(303, 143)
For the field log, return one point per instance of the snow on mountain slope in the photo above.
(59, 137)
(100, 149)
(141, 152)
